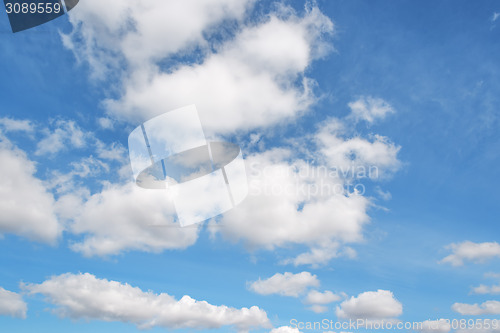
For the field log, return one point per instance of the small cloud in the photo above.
(287, 284)
(12, 304)
(371, 305)
(495, 16)
(105, 123)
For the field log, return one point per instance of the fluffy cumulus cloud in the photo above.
(12, 304)
(372, 305)
(141, 33)
(127, 217)
(83, 296)
(26, 205)
(473, 252)
(287, 284)
(317, 297)
(486, 308)
(252, 79)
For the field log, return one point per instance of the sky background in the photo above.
(409, 87)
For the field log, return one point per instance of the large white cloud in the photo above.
(253, 79)
(486, 308)
(83, 296)
(127, 217)
(373, 305)
(12, 304)
(470, 251)
(26, 205)
(286, 284)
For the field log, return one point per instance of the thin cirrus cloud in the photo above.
(286, 284)
(12, 304)
(84, 296)
(472, 252)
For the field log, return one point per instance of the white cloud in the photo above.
(479, 330)
(26, 205)
(495, 16)
(357, 157)
(127, 217)
(370, 109)
(473, 252)
(435, 326)
(374, 305)
(249, 81)
(317, 297)
(15, 125)
(12, 304)
(285, 329)
(287, 284)
(113, 152)
(244, 86)
(483, 289)
(105, 123)
(486, 308)
(141, 33)
(318, 308)
(290, 204)
(83, 296)
(66, 134)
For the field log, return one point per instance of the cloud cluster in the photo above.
(12, 304)
(473, 252)
(83, 296)
(254, 77)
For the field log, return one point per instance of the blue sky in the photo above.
(408, 87)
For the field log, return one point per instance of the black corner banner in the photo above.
(26, 14)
